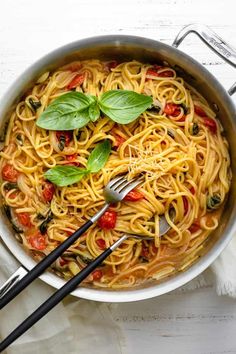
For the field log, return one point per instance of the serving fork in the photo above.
(114, 192)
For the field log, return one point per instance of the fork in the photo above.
(114, 192)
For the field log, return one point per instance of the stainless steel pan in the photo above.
(146, 50)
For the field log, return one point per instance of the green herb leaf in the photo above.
(213, 202)
(67, 112)
(124, 106)
(99, 156)
(64, 175)
(94, 112)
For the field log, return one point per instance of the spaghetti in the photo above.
(177, 144)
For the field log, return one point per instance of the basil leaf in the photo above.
(124, 106)
(99, 156)
(67, 112)
(94, 112)
(64, 175)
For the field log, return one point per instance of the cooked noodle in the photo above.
(181, 171)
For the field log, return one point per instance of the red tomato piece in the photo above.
(185, 201)
(195, 226)
(145, 251)
(65, 135)
(48, 191)
(77, 81)
(172, 109)
(210, 124)
(119, 140)
(166, 73)
(152, 72)
(37, 241)
(108, 220)
(199, 111)
(97, 274)
(62, 262)
(192, 190)
(13, 195)
(112, 64)
(24, 219)
(9, 173)
(71, 158)
(101, 243)
(133, 196)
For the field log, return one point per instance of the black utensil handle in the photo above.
(42, 265)
(53, 300)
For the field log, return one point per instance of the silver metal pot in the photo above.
(146, 50)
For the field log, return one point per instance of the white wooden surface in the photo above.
(192, 322)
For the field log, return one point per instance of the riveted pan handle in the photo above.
(223, 49)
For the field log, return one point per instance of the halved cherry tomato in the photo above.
(199, 111)
(37, 241)
(119, 140)
(97, 274)
(133, 196)
(166, 73)
(112, 64)
(48, 190)
(101, 243)
(65, 135)
(13, 195)
(24, 219)
(9, 173)
(145, 251)
(210, 124)
(108, 220)
(77, 81)
(152, 72)
(192, 190)
(71, 158)
(185, 201)
(172, 109)
(195, 226)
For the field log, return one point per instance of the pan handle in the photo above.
(213, 41)
(13, 280)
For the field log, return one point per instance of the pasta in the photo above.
(177, 145)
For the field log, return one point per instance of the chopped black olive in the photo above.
(8, 186)
(195, 129)
(170, 133)
(44, 225)
(34, 104)
(62, 142)
(185, 108)
(19, 139)
(213, 202)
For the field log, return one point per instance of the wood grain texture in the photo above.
(182, 322)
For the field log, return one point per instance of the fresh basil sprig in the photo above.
(75, 109)
(64, 175)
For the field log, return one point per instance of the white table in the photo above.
(195, 322)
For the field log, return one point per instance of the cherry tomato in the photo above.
(101, 243)
(37, 241)
(77, 81)
(97, 274)
(119, 140)
(108, 220)
(13, 195)
(48, 191)
(172, 109)
(210, 124)
(62, 262)
(192, 190)
(24, 219)
(145, 251)
(112, 64)
(195, 226)
(185, 201)
(199, 111)
(133, 196)
(9, 173)
(65, 135)
(152, 72)
(166, 73)
(71, 158)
